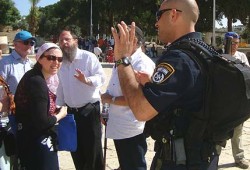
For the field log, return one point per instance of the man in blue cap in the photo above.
(234, 47)
(236, 141)
(13, 67)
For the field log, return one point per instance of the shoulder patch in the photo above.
(162, 72)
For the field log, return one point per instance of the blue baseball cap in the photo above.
(232, 34)
(24, 35)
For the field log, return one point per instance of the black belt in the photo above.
(79, 109)
(74, 109)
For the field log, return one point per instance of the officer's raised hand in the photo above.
(124, 40)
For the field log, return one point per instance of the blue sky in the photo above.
(24, 5)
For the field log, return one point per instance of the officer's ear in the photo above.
(175, 14)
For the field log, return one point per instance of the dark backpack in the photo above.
(227, 94)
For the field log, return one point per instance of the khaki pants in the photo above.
(236, 142)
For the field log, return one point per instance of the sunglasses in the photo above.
(160, 12)
(53, 58)
(28, 42)
(235, 43)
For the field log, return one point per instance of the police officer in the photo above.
(172, 94)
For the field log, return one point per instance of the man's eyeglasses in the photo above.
(53, 58)
(28, 42)
(160, 12)
(66, 39)
(235, 43)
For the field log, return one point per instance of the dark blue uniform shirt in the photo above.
(177, 82)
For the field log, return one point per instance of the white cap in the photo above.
(44, 48)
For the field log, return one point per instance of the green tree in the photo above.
(21, 24)
(205, 22)
(107, 13)
(234, 10)
(8, 13)
(48, 22)
(33, 17)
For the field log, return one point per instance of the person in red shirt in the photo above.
(110, 55)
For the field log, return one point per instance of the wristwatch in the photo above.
(124, 60)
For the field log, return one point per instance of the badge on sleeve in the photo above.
(162, 72)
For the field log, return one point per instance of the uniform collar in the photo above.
(192, 35)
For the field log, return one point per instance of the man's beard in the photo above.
(69, 53)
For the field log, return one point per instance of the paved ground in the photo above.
(226, 159)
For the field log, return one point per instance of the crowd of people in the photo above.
(102, 48)
(66, 79)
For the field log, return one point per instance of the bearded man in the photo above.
(80, 78)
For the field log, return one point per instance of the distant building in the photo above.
(239, 28)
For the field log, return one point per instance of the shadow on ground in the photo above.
(228, 165)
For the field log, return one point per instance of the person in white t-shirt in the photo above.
(122, 126)
(112, 42)
(236, 141)
(98, 52)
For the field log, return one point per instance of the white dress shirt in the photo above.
(122, 123)
(73, 92)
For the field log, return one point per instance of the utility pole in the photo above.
(91, 23)
(213, 40)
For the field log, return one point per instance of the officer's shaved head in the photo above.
(189, 8)
(176, 18)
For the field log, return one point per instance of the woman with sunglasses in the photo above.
(36, 112)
